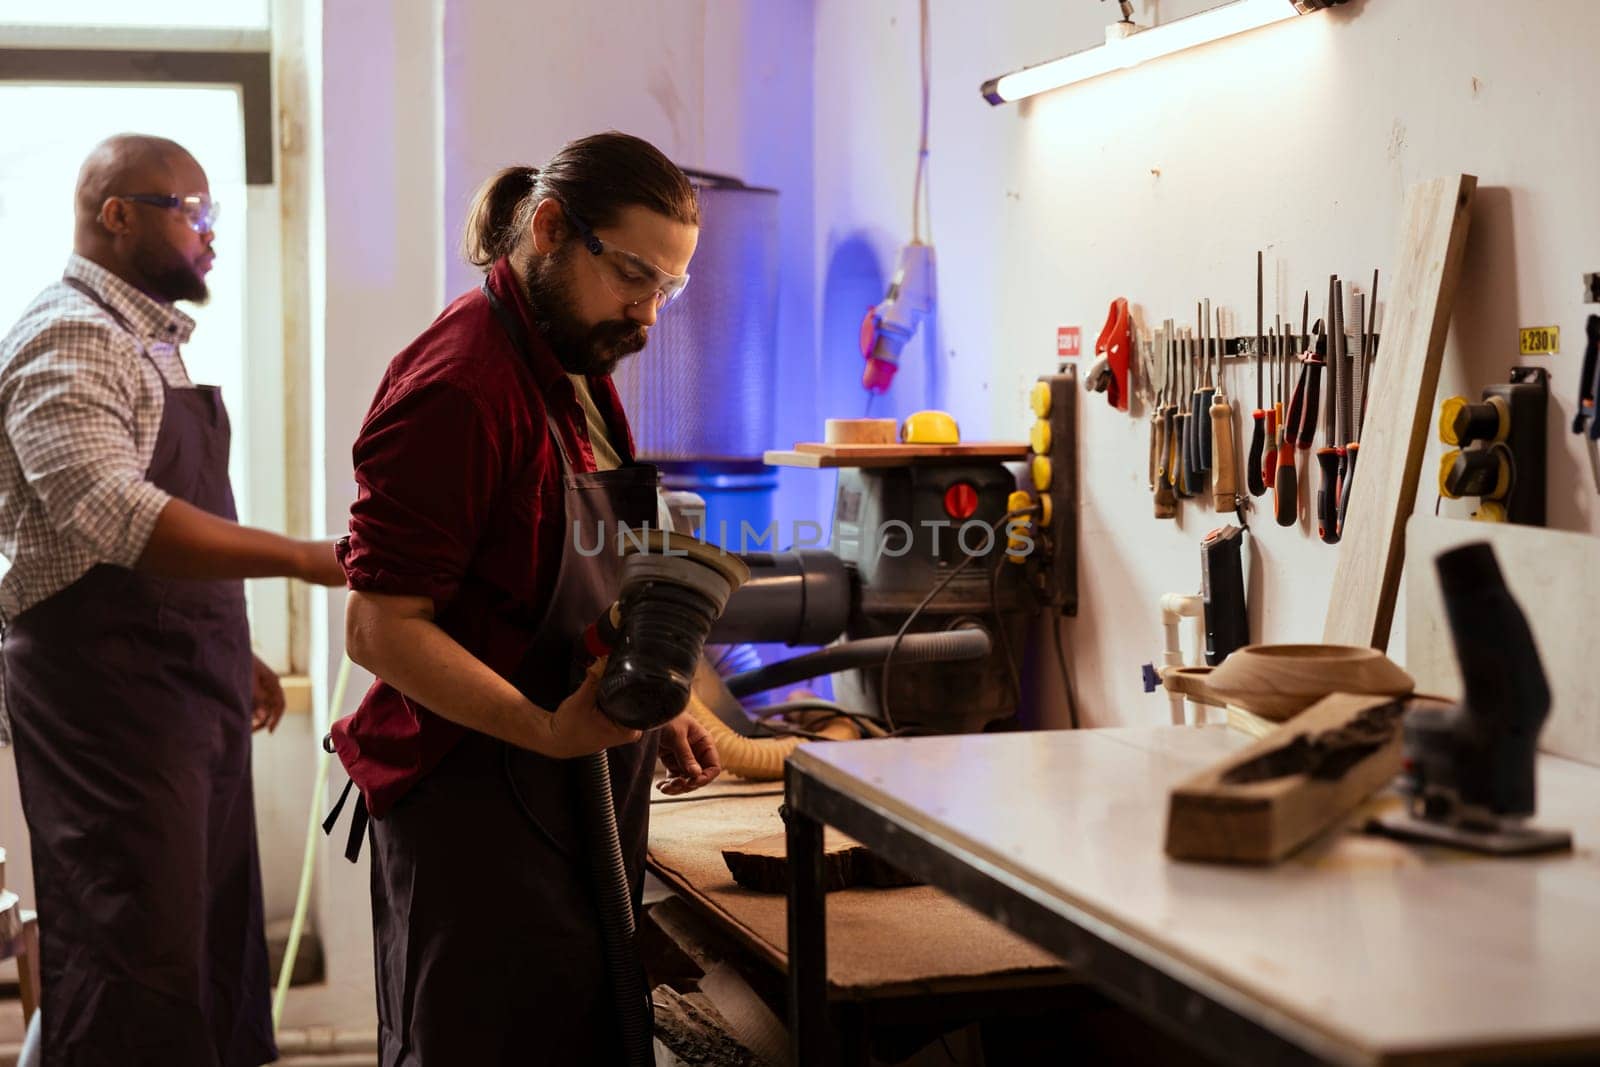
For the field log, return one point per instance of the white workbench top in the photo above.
(1373, 949)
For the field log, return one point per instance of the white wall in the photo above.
(1160, 183)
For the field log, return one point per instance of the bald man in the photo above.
(129, 680)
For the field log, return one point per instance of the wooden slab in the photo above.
(1421, 291)
(763, 864)
(860, 431)
(1555, 577)
(1259, 805)
(818, 454)
(881, 942)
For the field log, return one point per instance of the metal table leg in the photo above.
(809, 1040)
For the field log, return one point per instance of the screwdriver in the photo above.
(1155, 414)
(1358, 305)
(1169, 417)
(1297, 400)
(1286, 486)
(1185, 472)
(1198, 416)
(1173, 426)
(1369, 339)
(1208, 343)
(1255, 478)
(1151, 378)
(1269, 462)
(1328, 454)
(1308, 392)
(1166, 503)
(1224, 479)
(1314, 361)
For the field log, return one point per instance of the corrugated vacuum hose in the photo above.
(609, 877)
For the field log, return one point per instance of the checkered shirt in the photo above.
(80, 407)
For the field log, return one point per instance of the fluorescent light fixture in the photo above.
(1119, 53)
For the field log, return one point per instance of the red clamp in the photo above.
(1113, 345)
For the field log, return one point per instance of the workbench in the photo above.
(1357, 950)
(899, 953)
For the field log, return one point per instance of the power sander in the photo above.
(673, 588)
(1469, 768)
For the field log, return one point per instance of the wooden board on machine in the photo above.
(1262, 803)
(1433, 241)
(763, 865)
(817, 454)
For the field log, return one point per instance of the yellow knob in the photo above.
(1039, 399)
(1490, 511)
(1039, 436)
(1046, 509)
(1446, 463)
(1016, 547)
(930, 428)
(1448, 410)
(1041, 472)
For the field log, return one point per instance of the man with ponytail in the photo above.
(493, 436)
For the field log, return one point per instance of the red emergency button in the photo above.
(960, 501)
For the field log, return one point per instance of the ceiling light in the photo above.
(1128, 44)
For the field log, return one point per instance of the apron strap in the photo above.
(358, 821)
(121, 321)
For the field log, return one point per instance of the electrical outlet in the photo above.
(1052, 463)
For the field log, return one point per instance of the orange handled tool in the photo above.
(1224, 474)
(1253, 475)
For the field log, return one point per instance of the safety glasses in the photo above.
(201, 211)
(630, 278)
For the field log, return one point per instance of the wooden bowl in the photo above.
(1192, 682)
(1278, 682)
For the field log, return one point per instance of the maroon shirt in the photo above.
(459, 499)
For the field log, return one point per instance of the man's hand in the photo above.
(319, 565)
(579, 727)
(689, 754)
(266, 698)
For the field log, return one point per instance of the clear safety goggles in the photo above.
(631, 279)
(200, 210)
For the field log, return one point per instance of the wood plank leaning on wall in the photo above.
(1366, 579)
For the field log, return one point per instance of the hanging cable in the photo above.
(920, 183)
(302, 900)
(1005, 639)
(1066, 675)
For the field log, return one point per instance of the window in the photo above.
(44, 135)
(73, 74)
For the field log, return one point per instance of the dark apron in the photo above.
(486, 929)
(130, 703)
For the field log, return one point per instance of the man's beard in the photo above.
(173, 278)
(591, 350)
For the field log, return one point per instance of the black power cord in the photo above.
(1066, 675)
(1005, 638)
(888, 660)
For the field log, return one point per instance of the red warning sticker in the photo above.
(1069, 341)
